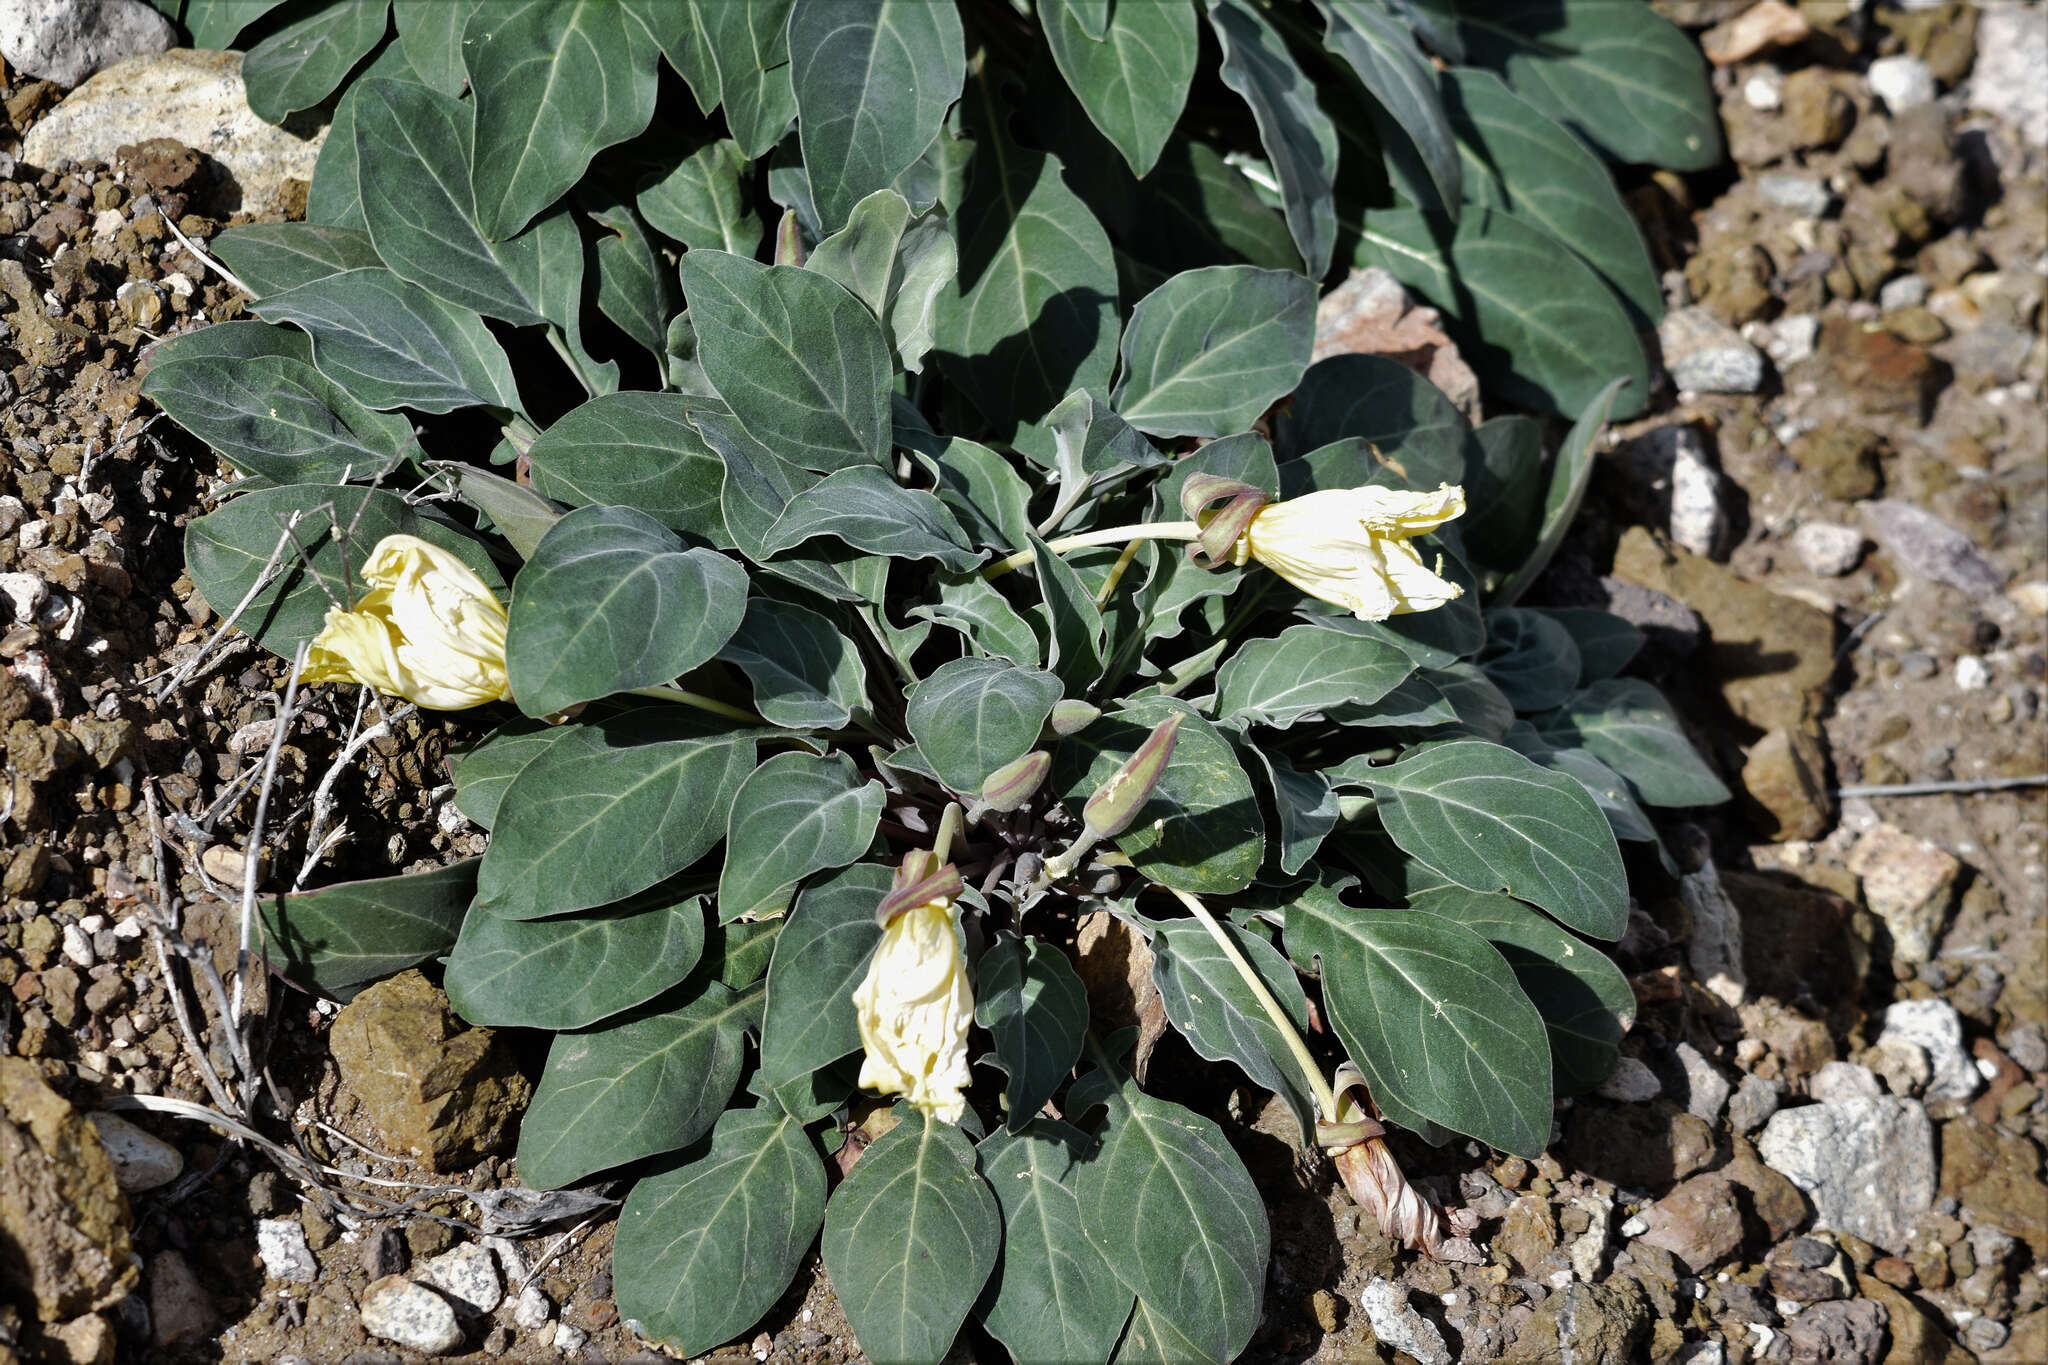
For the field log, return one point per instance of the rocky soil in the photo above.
(1824, 1142)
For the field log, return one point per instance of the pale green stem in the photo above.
(1108, 535)
(700, 701)
(949, 826)
(1326, 1098)
(560, 344)
(1065, 862)
(1116, 574)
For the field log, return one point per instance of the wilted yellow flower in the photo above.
(914, 1005)
(1350, 546)
(428, 630)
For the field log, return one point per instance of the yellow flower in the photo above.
(428, 630)
(1350, 546)
(914, 1007)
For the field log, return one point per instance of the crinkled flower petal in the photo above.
(428, 630)
(1350, 547)
(914, 1008)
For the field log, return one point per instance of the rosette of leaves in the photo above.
(783, 323)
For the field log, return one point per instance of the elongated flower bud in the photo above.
(1115, 804)
(428, 630)
(1071, 717)
(1011, 785)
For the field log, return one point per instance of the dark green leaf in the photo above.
(797, 814)
(430, 31)
(1305, 803)
(737, 55)
(1075, 652)
(341, 938)
(1530, 657)
(571, 973)
(1570, 476)
(487, 768)
(700, 204)
(272, 257)
(1606, 642)
(1033, 1005)
(820, 958)
(972, 716)
(280, 418)
(636, 450)
(1627, 724)
(1382, 50)
(870, 511)
(982, 489)
(896, 262)
(1404, 431)
(1299, 138)
(634, 1088)
(806, 675)
(909, 1240)
(1210, 350)
(1220, 1016)
(1504, 492)
(705, 1249)
(635, 287)
(1306, 671)
(300, 65)
(1131, 77)
(1055, 1301)
(215, 24)
(515, 511)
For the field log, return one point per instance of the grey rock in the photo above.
(2012, 52)
(396, 1309)
(569, 1338)
(1397, 1324)
(1800, 194)
(469, 1275)
(1867, 1164)
(192, 97)
(1631, 1083)
(180, 1307)
(1793, 338)
(1907, 291)
(2027, 1045)
(1840, 1332)
(67, 40)
(1935, 1026)
(1902, 82)
(281, 1243)
(1699, 1222)
(142, 1161)
(1706, 1089)
(1715, 949)
(1753, 1103)
(1668, 625)
(1985, 1334)
(1706, 355)
(1908, 883)
(1828, 549)
(1926, 545)
(1993, 352)
(533, 1309)
(1836, 1082)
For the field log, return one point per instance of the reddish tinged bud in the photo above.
(1071, 717)
(1115, 804)
(1011, 785)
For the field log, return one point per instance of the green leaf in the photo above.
(611, 601)
(430, 32)
(1305, 671)
(1585, 1001)
(280, 419)
(1200, 830)
(392, 344)
(301, 64)
(806, 675)
(234, 341)
(568, 974)
(700, 203)
(633, 800)
(1504, 492)
(1623, 77)
(971, 605)
(972, 716)
(1530, 657)
(1516, 157)
(421, 208)
(1610, 791)
(1626, 723)
(820, 958)
(1036, 1010)
(1402, 430)
(334, 199)
(797, 814)
(515, 511)
(1154, 1338)
(1055, 1300)
(1539, 326)
(1606, 642)
(635, 450)
(1202, 210)
(1132, 77)
(867, 509)
(798, 360)
(1482, 708)
(1168, 1205)
(1305, 803)
(1032, 314)
(1438, 1012)
(1491, 820)
(1381, 49)
(226, 551)
(635, 287)
(342, 938)
(1075, 652)
(272, 257)
(703, 1250)
(873, 81)
(1418, 703)
(1570, 476)
(756, 492)
(895, 262)
(1210, 350)
(1298, 136)
(982, 489)
(634, 1088)
(1217, 1013)
(554, 83)
(909, 1240)
(485, 769)
(1092, 443)
(215, 24)
(737, 55)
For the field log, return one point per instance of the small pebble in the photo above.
(468, 1274)
(1918, 665)
(1972, 674)
(1907, 291)
(142, 1161)
(1828, 549)
(534, 1307)
(78, 946)
(396, 1309)
(569, 1340)
(1765, 91)
(281, 1243)
(1793, 339)
(1902, 82)
(1800, 194)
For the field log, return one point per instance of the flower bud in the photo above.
(1115, 804)
(1071, 717)
(428, 629)
(1011, 785)
(914, 1006)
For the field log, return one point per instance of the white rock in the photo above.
(1909, 884)
(1902, 82)
(1793, 339)
(1589, 1249)
(78, 946)
(511, 1260)
(396, 1309)
(1934, 1025)
(569, 1340)
(1698, 521)
(67, 40)
(1631, 1083)
(107, 222)
(1753, 1103)
(1706, 1088)
(1828, 549)
(142, 1161)
(1800, 194)
(1907, 291)
(1972, 674)
(1706, 355)
(25, 594)
(286, 1255)
(1398, 1325)
(2012, 52)
(1867, 1164)
(1839, 1082)
(468, 1274)
(194, 97)
(533, 1309)
(1765, 91)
